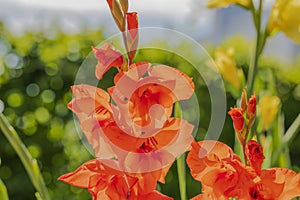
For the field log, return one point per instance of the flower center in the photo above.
(149, 145)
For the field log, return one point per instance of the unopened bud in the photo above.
(118, 15)
(251, 108)
(244, 100)
(268, 106)
(124, 5)
(237, 116)
(132, 34)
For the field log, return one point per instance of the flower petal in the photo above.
(154, 195)
(107, 58)
(255, 155)
(81, 176)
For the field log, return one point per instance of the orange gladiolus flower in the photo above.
(92, 107)
(145, 95)
(219, 170)
(139, 114)
(104, 182)
(223, 176)
(130, 127)
(237, 115)
(107, 57)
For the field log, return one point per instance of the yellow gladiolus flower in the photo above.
(268, 106)
(285, 17)
(225, 3)
(227, 67)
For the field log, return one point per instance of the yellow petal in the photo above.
(228, 68)
(226, 3)
(285, 17)
(268, 109)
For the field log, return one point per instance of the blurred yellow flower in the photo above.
(225, 3)
(227, 67)
(285, 17)
(268, 106)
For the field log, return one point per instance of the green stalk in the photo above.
(29, 163)
(182, 176)
(181, 171)
(260, 43)
(290, 134)
(238, 148)
(124, 36)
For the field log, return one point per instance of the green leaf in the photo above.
(3, 191)
(29, 163)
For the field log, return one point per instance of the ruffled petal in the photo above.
(107, 57)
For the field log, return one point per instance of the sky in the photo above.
(19, 14)
(190, 17)
(101, 4)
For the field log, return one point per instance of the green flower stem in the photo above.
(277, 135)
(124, 36)
(238, 148)
(181, 171)
(182, 176)
(292, 131)
(29, 163)
(3, 191)
(290, 134)
(258, 48)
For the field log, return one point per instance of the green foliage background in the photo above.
(36, 73)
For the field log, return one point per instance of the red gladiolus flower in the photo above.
(104, 182)
(237, 116)
(223, 176)
(107, 58)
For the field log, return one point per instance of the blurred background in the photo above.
(43, 43)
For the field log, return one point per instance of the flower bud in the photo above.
(251, 110)
(244, 100)
(237, 116)
(117, 11)
(255, 155)
(228, 69)
(109, 2)
(124, 5)
(268, 106)
(132, 34)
